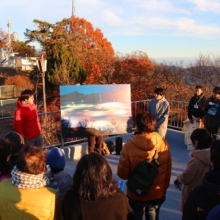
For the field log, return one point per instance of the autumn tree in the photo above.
(89, 49)
(23, 49)
(95, 51)
(179, 81)
(173, 78)
(205, 72)
(64, 67)
(135, 69)
(3, 38)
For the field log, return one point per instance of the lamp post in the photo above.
(42, 67)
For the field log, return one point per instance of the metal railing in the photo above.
(51, 126)
(178, 111)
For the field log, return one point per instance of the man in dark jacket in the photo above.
(212, 108)
(204, 197)
(196, 107)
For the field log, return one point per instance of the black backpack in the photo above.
(143, 176)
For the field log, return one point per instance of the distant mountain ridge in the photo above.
(95, 98)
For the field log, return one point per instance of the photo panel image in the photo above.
(95, 110)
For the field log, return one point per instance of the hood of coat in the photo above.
(202, 155)
(147, 142)
(22, 105)
(211, 184)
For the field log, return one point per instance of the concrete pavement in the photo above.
(180, 156)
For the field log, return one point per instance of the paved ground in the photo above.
(180, 156)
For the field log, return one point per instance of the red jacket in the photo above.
(26, 120)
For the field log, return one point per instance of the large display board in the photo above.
(95, 110)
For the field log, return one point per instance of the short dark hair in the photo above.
(17, 141)
(216, 90)
(159, 91)
(203, 137)
(198, 87)
(26, 94)
(145, 122)
(5, 151)
(93, 178)
(32, 160)
(215, 155)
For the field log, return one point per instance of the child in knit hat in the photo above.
(5, 154)
(57, 162)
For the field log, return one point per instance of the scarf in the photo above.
(24, 180)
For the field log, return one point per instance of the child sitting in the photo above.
(57, 162)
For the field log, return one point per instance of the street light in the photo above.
(42, 67)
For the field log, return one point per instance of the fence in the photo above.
(7, 107)
(51, 125)
(7, 99)
(9, 92)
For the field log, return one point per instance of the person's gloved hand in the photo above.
(178, 184)
(191, 121)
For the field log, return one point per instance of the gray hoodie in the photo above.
(160, 110)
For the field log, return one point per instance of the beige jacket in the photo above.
(195, 171)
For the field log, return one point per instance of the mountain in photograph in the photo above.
(95, 98)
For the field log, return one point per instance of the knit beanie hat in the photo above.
(56, 158)
(17, 141)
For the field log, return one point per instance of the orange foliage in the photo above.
(21, 81)
(95, 51)
(137, 70)
(52, 107)
(3, 38)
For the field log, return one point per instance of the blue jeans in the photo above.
(38, 141)
(150, 208)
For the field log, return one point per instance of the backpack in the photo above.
(143, 176)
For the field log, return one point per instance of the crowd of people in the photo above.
(35, 185)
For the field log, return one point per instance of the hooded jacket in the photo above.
(194, 173)
(160, 110)
(140, 147)
(26, 120)
(203, 198)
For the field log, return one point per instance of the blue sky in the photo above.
(91, 89)
(164, 29)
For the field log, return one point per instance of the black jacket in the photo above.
(212, 120)
(203, 198)
(197, 112)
